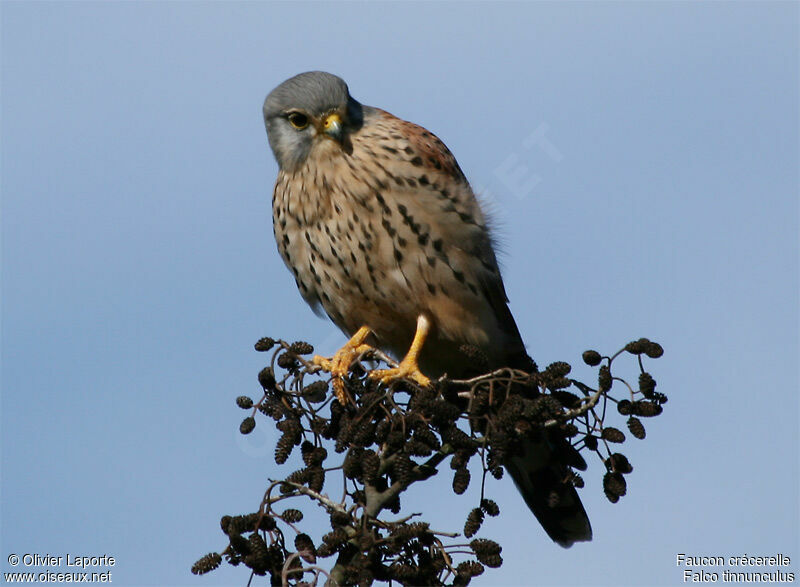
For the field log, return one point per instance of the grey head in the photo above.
(307, 110)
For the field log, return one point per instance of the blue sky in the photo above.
(138, 264)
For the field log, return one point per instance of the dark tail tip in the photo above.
(551, 497)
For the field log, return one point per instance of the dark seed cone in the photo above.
(614, 486)
(604, 378)
(325, 550)
(299, 477)
(287, 361)
(469, 568)
(490, 507)
(291, 515)
(461, 480)
(647, 409)
(283, 448)
(591, 358)
(247, 425)
(305, 546)
(258, 560)
(370, 465)
(264, 344)
(340, 519)
(404, 469)
(647, 385)
(207, 564)
(315, 392)
(316, 479)
(636, 427)
(335, 538)
(487, 552)
(619, 463)
(473, 523)
(266, 377)
(301, 348)
(637, 347)
(654, 350)
(612, 435)
(567, 399)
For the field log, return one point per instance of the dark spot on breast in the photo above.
(409, 150)
(390, 149)
(468, 218)
(388, 226)
(431, 261)
(431, 288)
(416, 161)
(423, 180)
(458, 275)
(435, 162)
(437, 244)
(401, 241)
(412, 182)
(398, 255)
(423, 239)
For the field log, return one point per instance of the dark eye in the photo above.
(298, 120)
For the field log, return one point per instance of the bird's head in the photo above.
(310, 111)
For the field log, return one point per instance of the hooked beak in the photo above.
(332, 126)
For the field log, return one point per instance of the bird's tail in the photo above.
(541, 473)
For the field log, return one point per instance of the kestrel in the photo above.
(378, 224)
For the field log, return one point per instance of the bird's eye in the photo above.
(298, 120)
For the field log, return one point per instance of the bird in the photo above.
(383, 234)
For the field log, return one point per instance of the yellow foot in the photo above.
(339, 364)
(408, 367)
(406, 370)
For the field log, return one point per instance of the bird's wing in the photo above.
(454, 250)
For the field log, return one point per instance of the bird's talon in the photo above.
(323, 362)
(410, 372)
(339, 364)
(339, 390)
